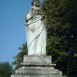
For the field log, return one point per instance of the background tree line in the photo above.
(6, 69)
(61, 18)
(61, 21)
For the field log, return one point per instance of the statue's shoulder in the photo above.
(28, 16)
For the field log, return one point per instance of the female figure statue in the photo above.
(35, 30)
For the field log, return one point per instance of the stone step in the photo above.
(36, 75)
(38, 64)
(38, 70)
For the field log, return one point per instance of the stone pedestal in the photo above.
(37, 66)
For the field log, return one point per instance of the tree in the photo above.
(5, 69)
(57, 31)
(72, 66)
(19, 57)
(61, 24)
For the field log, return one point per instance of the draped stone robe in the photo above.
(35, 34)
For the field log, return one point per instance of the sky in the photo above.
(12, 29)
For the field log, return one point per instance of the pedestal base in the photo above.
(37, 66)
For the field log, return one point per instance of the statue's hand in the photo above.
(29, 16)
(43, 17)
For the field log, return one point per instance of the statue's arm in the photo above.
(29, 15)
(29, 19)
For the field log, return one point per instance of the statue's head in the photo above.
(36, 9)
(36, 3)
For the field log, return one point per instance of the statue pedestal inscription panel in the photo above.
(37, 66)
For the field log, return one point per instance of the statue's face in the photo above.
(35, 7)
(36, 2)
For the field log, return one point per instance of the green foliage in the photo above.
(19, 57)
(72, 65)
(61, 18)
(57, 31)
(5, 69)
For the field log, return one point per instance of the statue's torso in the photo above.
(33, 23)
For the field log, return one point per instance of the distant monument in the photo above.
(36, 63)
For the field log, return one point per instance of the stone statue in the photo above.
(36, 63)
(35, 30)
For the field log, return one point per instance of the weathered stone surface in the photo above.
(38, 76)
(37, 66)
(37, 71)
(37, 59)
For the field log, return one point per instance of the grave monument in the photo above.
(36, 63)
